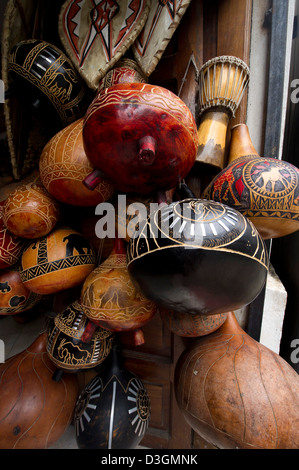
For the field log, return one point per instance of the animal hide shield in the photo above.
(97, 33)
(162, 21)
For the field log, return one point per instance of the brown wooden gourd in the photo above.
(11, 246)
(109, 299)
(222, 82)
(14, 295)
(58, 261)
(141, 137)
(266, 190)
(236, 393)
(35, 410)
(30, 211)
(191, 324)
(63, 164)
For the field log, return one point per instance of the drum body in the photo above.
(30, 211)
(61, 260)
(63, 164)
(198, 256)
(222, 82)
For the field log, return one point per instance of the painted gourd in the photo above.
(266, 190)
(61, 260)
(67, 346)
(222, 83)
(199, 257)
(11, 246)
(191, 325)
(141, 137)
(47, 75)
(63, 164)
(30, 211)
(236, 393)
(14, 296)
(109, 299)
(113, 410)
(35, 410)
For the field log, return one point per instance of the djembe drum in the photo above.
(30, 211)
(236, 393)
(198, 256)
(61, 260)
(109, 299)
(141, 137)
(67, 346)
(222, 82)
(266, 190)
(34, 409)
(14, 295)
(113, 410)
(63, 164)
(11, 246)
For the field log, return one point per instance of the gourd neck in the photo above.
(241, 144)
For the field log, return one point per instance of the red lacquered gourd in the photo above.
(59, 261)
(109, 299)
(11, 246)
(141, 137)
(191, 324)
(63, 164)
(35, 410)
(266, 190)
(237, 393)
(30, 211)
(14, 295)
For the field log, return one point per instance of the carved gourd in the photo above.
(199, 257)
(222, 82)
(35, 410)
(191, 325)
(30, 211)
(14, 295)
(141, 137)
(109, 299)
(58, 261)
(11, 246)
(63, 164)
(113, 410)
(50, 81)
(70, 347)
(266, 190)
(236, 393)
